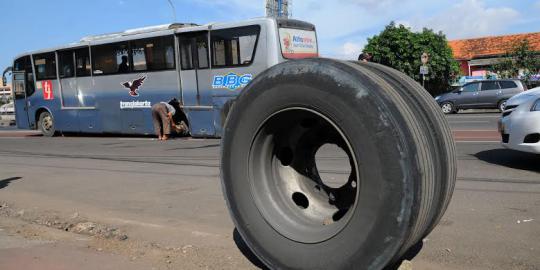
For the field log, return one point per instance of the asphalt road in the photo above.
(165, 197)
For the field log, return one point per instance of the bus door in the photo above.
(21, 105)
(23, 87)
(78, 102)
(194, 77)
(70, 95)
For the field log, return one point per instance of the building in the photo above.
(477, 55)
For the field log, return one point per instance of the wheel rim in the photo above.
(292, 194)
(47, 123)
(447, 108)
(502, 106)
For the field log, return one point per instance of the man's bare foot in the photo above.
(164, 138)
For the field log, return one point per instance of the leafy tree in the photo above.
(521, 60)
(400, 48)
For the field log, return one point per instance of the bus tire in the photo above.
(400, 152)
(46, 124)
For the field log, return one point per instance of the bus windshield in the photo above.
(297, 43)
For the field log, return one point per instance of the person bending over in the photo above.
(162, 115)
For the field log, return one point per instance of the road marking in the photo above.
(473, 116)
(466, 121)
(137, 139)
(477, 141)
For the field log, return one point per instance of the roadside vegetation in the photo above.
(399, 47)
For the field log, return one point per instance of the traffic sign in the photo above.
(424, 70)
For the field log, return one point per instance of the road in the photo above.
(83, 202)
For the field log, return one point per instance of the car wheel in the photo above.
(46, 124)
(501, 105)
(447, 108)
(398, 150)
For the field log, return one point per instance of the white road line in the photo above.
(477, 141)
(137, 139)
(473, 116)
(466, 121)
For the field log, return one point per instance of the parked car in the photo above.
(520, 122)
(487, 94)
(7, 114)
(7, 109)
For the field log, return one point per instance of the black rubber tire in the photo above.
(48, 130)
(500, 105)
(451, 111)
(440, 142)
(400, 149)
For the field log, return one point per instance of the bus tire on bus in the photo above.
(397, 144)
(45, 122)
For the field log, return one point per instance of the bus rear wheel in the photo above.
(46, 124)
(395, 145)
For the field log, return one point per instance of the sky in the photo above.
(343, 26)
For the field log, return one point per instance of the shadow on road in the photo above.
(5, 182)
(511, 159)
(243, 247)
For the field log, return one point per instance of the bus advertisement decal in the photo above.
(47, 88)
(134, 85)
(135, 104)
(231, 81)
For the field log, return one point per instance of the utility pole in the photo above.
(173, 10)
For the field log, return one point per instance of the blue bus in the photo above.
(108, 83)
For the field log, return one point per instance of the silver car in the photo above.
(488, 94)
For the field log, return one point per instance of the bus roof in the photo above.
(166, 29)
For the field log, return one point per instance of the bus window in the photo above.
(65, 67)
(82, 62)
(234, 46)
(202, 52)
(153, 53)
(24, 64)
(111, 59)
(45, 66)
(186, 56)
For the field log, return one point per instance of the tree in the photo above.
(400, 48)
(520, 62)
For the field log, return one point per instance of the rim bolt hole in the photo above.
(285, 155)
(300, 200)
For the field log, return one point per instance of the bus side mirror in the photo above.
(4, 81)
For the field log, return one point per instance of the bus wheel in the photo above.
(329, 164)
(46, 124)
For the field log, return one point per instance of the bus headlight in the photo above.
(536, 106)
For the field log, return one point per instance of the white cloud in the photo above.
(470, 18)
(349, 50)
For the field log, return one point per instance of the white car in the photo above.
(7, 109)
(520, 122)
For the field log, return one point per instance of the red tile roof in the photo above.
(465, 49)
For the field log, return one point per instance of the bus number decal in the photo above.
(231, 81)
(47, 90)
